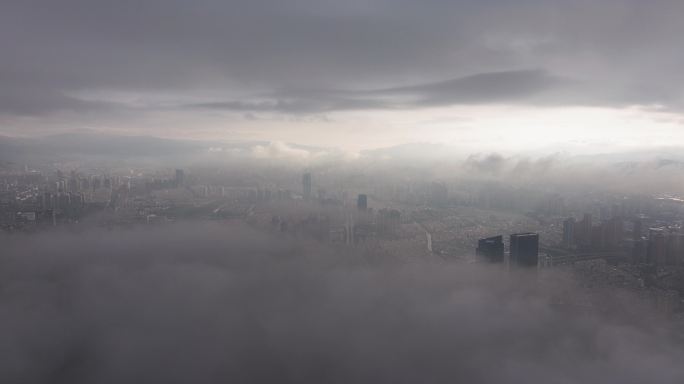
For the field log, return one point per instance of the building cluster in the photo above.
(523, 250)
(333, 221)
(584, 235)
(399, 219)
(31, 200)
(661, 244)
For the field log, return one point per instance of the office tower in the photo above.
(491, 249)
(306, 186)
(362, 202)
(584, 231)
(525, 249)
(180, 178)
(569, 232)
(613, 233)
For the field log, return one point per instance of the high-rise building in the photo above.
(362, 202)
(613, 233)
(306, 186)
(569, 232)
(525, 249)
(180, 177)
(583, 233)
(491, 249)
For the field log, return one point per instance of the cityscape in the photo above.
(341, 192)
(635, 243)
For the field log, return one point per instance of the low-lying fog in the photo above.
(208, 303)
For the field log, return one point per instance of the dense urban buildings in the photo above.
(632, 247)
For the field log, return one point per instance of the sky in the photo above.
(515, 75)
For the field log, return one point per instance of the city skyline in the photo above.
(328, 191)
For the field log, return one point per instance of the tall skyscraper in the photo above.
(362, 202)
(491, 249)
(525, 249)
(583, 236)
(180, 178)
(306, 186)
(613, 233)
(569, 232)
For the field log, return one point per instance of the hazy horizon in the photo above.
(330, 191)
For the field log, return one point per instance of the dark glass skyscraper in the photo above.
(569, 232)
(525, 249)
(491, 249)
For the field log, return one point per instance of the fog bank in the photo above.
(207, 303)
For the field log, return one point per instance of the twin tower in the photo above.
(524, 249)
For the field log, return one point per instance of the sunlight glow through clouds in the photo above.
(516, 128)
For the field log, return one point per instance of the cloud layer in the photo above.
(215, 303)
(95, 56)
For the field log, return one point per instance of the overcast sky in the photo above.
(355, 74)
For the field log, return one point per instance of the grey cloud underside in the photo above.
(522, 86)
(572, 52)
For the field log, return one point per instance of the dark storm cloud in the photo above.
(296, 102)
(494, 87)
(32, 101)
(616, 52)
(481, 87)
(221, 303)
